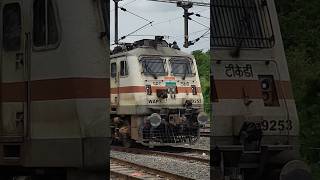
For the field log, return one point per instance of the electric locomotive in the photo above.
(255, 126)
(156, 95)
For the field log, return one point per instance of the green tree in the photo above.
(300, 27)
(203, 65)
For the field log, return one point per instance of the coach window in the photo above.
(45, 25)
(12, 27)
(113, 70)
(123, 68)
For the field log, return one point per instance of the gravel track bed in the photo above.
(203, 143)
(203, 156)
(195, 170)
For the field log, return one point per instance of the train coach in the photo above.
(54, 79)
(156, 96)
(255, 124)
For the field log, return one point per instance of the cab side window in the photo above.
(113, 70)
(45, 25)
(123, 68)
(12, 27)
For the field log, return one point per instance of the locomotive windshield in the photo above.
(153, 66)
(181, 67)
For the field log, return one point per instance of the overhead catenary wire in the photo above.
(198, 39)
(200, 23)
(123, 37)
(149, 22)
(207, 30)
(139, 35)
(125, 10)
(194, 32)
(152, 24)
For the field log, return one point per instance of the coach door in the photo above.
(114, 84)
(13, 89)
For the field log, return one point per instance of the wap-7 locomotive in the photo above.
(156, 96)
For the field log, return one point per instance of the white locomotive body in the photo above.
(156, 95)
(53, 115)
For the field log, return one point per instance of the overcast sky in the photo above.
(168, 21)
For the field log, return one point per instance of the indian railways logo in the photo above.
(171, 83)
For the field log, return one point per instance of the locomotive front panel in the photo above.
(160, 96)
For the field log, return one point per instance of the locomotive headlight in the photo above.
(202, 118)
(155, 119)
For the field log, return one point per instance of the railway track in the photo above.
(122, 169)
(205, 134)
(179, 153)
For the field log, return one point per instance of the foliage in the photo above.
(203, 64)
(300, 27)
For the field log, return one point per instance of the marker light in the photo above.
(148, 89)
(194, 90)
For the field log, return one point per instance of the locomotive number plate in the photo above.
(195, 101)
(276, 125)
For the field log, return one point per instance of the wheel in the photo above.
(296, 170)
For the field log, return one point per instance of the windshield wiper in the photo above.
(149, 71)
(185, 71)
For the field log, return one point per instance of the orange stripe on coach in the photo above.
(142, 89)
(56, 89)
(234, 89)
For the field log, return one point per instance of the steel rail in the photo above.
(146, 169)
(205, 134)
(167, 154)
